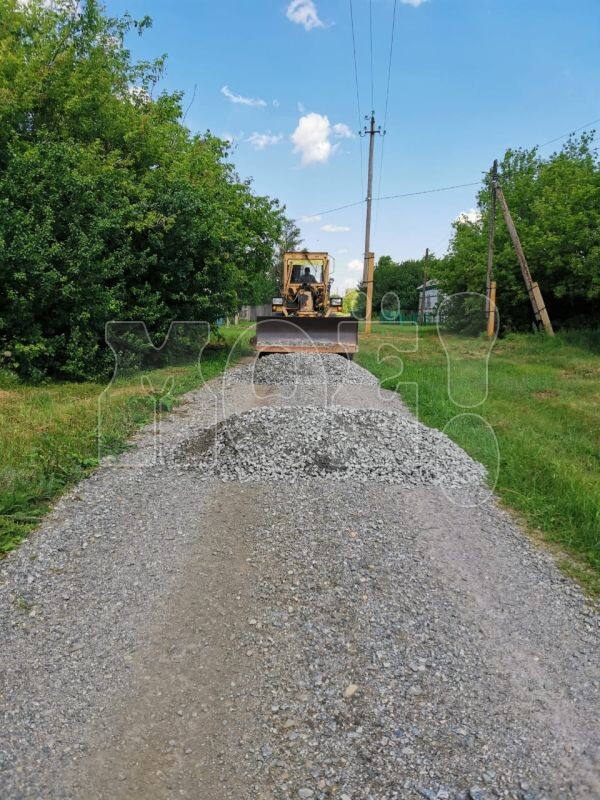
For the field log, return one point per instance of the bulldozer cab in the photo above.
(305, 268)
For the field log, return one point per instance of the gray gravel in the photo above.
(308, 369)
(289, 443)
(399, 667)
(169, 635)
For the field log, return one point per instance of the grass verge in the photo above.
(48, 433)
(544, 408)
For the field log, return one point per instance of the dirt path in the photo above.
(182, 716)
(167, 635)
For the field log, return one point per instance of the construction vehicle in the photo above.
(306, 318)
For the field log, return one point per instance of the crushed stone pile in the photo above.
(308, 369)
(290, 443)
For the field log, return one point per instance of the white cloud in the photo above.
(310, 218)
(260, 141)
(312, 139)
(342, 131)
(414, 3)
(239, 99)
(356, 265)
(335, 228)
(473, 216)
(301, 108)
(304, 12)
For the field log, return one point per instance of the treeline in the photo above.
(396, 286)
(555, 203)
(109, 207)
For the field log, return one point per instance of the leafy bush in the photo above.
(463, 314)
(109, 207)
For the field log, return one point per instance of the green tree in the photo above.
(395, 285)
(350, 301)
(555, 203)
(109, 207)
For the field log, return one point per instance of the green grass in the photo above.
(544, 407)
(48, 433)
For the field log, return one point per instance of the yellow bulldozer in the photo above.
(305, 318)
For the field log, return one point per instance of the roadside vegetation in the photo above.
(110, 207)
(544, 407)
(555, 202)
(48, 432)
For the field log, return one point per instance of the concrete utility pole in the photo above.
(369, 282)
(370, 132)
(533, 289)
(491, 234)
(491, 311)
(424, 292)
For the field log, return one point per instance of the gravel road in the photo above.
(180, 629)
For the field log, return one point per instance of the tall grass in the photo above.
(49, 436)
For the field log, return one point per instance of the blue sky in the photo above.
(469, 79)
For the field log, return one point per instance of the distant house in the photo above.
(433, 296)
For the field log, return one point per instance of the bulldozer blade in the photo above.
(307, 335)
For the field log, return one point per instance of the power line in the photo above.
(362, 184)
(429, 191)
(371, 38)
(389, 75)
(477, 183)
(441, 188)
(570, 133)
(330, 211)
(387, 98)
(393, 197)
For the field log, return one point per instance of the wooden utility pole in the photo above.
(533, 290)
(424, 292)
